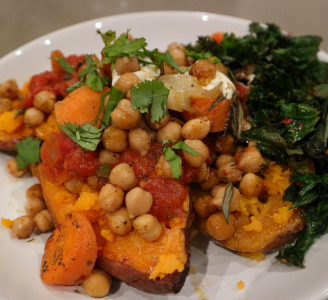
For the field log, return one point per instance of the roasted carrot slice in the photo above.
(217, 36)
(218, 116)
(70, 252)
(79, 107)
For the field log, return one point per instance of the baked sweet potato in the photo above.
(278, 224)
(154, 267)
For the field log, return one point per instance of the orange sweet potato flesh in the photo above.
(70, 252)
(272, 236)
(130, 258)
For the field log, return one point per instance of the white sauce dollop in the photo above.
(227, 87)
(146, 72)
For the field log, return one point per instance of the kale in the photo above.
(287, 106)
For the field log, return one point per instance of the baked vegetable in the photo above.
(70, 252)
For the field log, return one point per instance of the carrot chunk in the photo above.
(70, 252)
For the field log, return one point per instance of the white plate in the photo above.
(216, 271)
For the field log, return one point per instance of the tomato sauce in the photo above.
(168, 194)
(62, 159)
(54, 81)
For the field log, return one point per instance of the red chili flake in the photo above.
(264, 187)
(300, 124)
(287, 121)
(225, 173)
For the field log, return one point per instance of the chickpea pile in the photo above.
(121, 196)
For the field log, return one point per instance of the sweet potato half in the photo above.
(154, 267)
(265, 222)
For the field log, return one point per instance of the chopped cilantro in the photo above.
(174, 159)
(28, 152)
(88, 136)
(150, 95)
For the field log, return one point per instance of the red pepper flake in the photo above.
(264, 187)
(300, 124)
(225, 173)
(287, 121)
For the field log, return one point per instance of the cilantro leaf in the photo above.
(88, 136)
(107, 37)
(202, 55)
(175, 162)
(28, 152)
(174, 159)
(64, 64)
(150, 94)
(89, 77)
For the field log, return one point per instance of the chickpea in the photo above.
(178, 53)
(111, 198)
(45, 101)
(224, 144)
(5, 105)
(73, 185)
(34, 206)
(224, 159)
(196, 129)
(126, 80)
(107, 158)
(124, 116)
(34, 191)
(123, 175)
(231, 172)
(245, 125)
(204, 207)
(9, 89)
(218, 195)
(157, 124)
(250, 185)
(22, 227)
(168, 69)
(217, 227)
(139, 140)
(204, 71)
(33, 117)
(43, 221)
(151, 132)
(119, 221)
(98, 284)
(212, 180)
(250, 160)
(94, 182)
(170, 131)
(138, 202)
(201, 148)
(202, 173)
(126, 64)
(12, 168)
(114, 139)
(163, 168)
(148, 227)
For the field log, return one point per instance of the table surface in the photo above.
(24, 20)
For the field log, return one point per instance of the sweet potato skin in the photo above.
(170, 284)
(270, 238)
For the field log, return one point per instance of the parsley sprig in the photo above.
(28, 152)
(174, 159)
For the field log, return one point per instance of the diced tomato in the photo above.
(242, 89)
(217, 36)
(62, 159)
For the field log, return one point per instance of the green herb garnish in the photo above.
(64, 64)
(28, 152)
